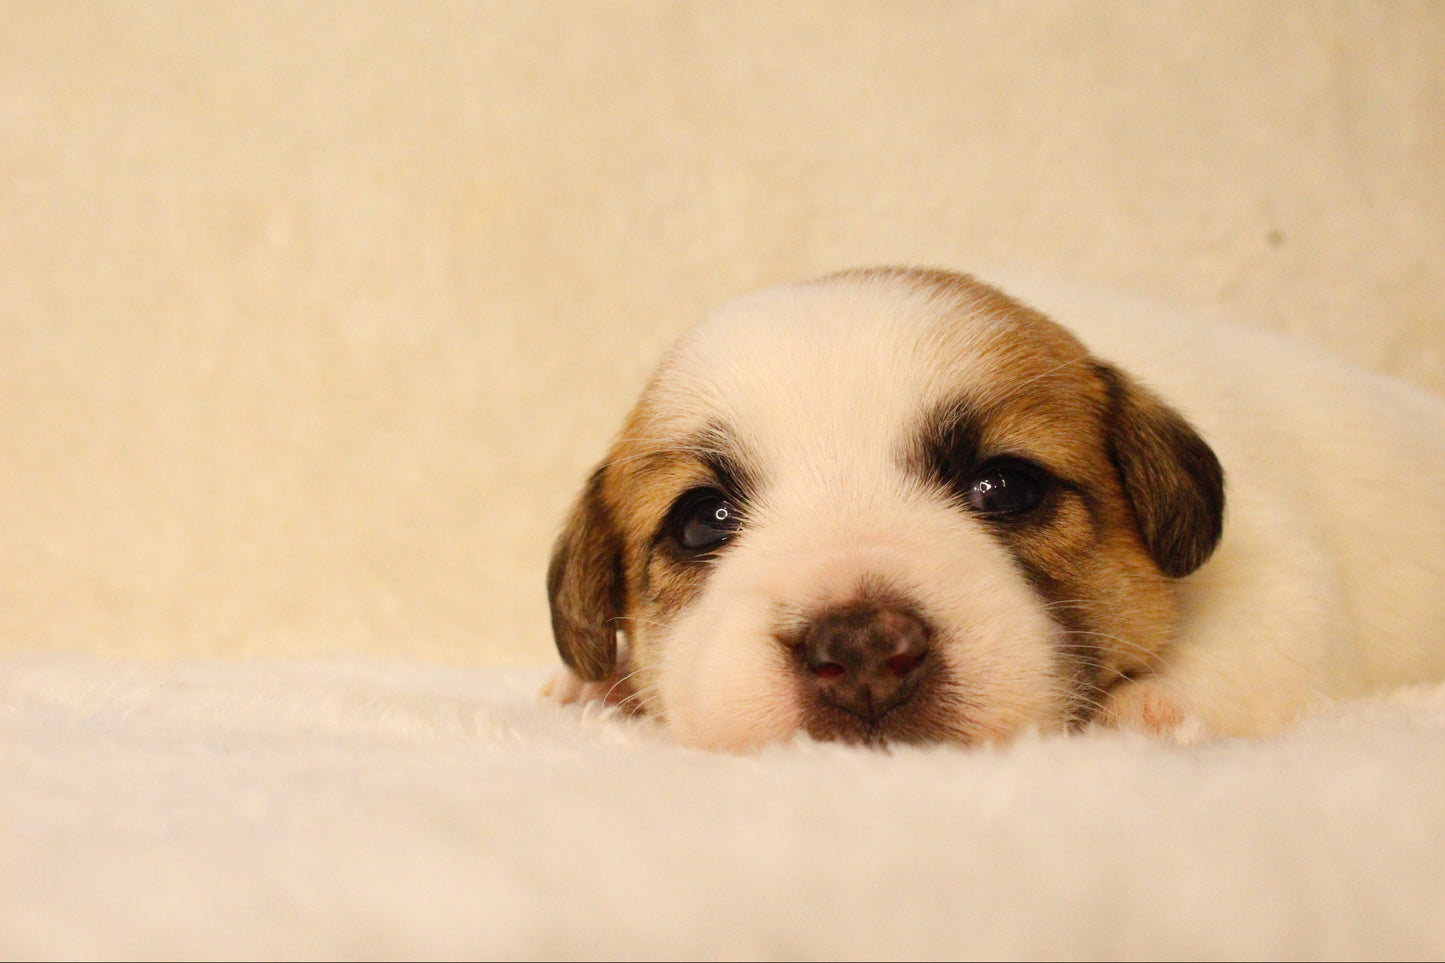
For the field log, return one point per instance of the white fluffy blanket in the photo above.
(365, 810)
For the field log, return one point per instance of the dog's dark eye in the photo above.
(1005, 488)
(702, 520)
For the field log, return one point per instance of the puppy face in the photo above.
(884, 506)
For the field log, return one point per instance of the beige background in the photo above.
(312, 316)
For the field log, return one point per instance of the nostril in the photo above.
(902, 663)
(829, 671)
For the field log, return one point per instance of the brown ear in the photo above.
(1171, 477)
(585, 586)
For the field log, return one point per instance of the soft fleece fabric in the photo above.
(375, 809)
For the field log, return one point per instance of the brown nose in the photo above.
(863, 658)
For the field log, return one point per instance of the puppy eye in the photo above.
(703, 519)
(1008, 487)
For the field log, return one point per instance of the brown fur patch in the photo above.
(650, 466)
(1118, 525)
(586, 585)
(1172, 478)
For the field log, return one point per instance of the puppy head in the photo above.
(887, 505)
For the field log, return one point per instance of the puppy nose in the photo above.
(863, 659)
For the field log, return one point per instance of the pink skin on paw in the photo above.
(1141, 707)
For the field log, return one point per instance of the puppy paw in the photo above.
(1145, 706)
(564, 687)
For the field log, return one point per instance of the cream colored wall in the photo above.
(312, 315)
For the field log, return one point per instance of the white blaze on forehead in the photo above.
(827, 376)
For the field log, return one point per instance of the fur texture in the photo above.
(900, 505)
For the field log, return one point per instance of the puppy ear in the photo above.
(1171, 477)
(585, 586)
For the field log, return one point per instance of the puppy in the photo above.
(899, 505)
